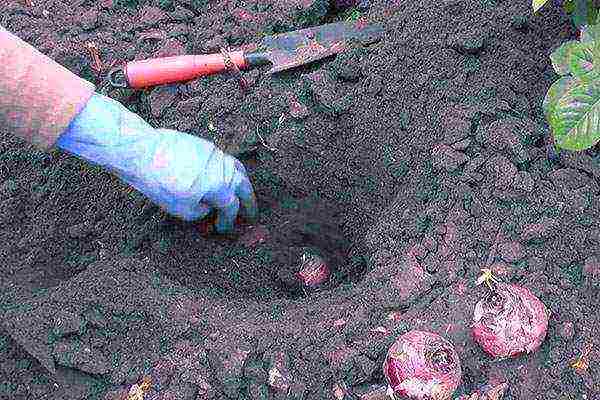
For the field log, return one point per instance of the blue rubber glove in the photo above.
(187, 176)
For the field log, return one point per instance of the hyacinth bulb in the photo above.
(314, 271)
(422, 365)
(510, 321)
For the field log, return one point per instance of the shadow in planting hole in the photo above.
(262, 260)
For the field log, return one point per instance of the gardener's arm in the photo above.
(46, 104)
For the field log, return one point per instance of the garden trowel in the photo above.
(283, 51)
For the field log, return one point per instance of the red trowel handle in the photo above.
(158, 71)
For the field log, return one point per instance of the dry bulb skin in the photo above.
(422, 365)
(510, 320)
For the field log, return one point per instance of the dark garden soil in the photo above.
(408, 164)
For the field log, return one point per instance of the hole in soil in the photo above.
(263, 260)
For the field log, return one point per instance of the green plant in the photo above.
(572, 104)
(582, 12)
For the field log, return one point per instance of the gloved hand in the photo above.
(187, 176)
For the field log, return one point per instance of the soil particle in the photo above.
(74, 354)
(474, 164)
(297, 391)
(539, 231)
(214, 44)
(462, 145)
(510, 251)
(117, 394)
(279, 375)
(162, 373)
(344, 4)
(297, 109)
(190, 107)
(254, 235)
(524, 182)
(566, 330)
(445, 157)
(323, 88)
(259, 391)
(89, 20)
(66, 323)
(348, 65)
(80, 231)
(180, 391)
(469, 43)
(227, 368)
(568, 179)
(582, 161)
(505, 135)
(182, 14)
(160, 99)
(151, 16)
(503, 171)
(170, 47)
(456, 122)
(591, 269)
(503, 270)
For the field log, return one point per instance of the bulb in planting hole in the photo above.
(509, 321)
(314, 271)
(422, 365)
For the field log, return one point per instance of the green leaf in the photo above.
(585, 34)
(537, 4)
(581, 60)
(575, 118)
(569, 6)
(595, 31)
(580, 13)
(555, 92)
(561, 57)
